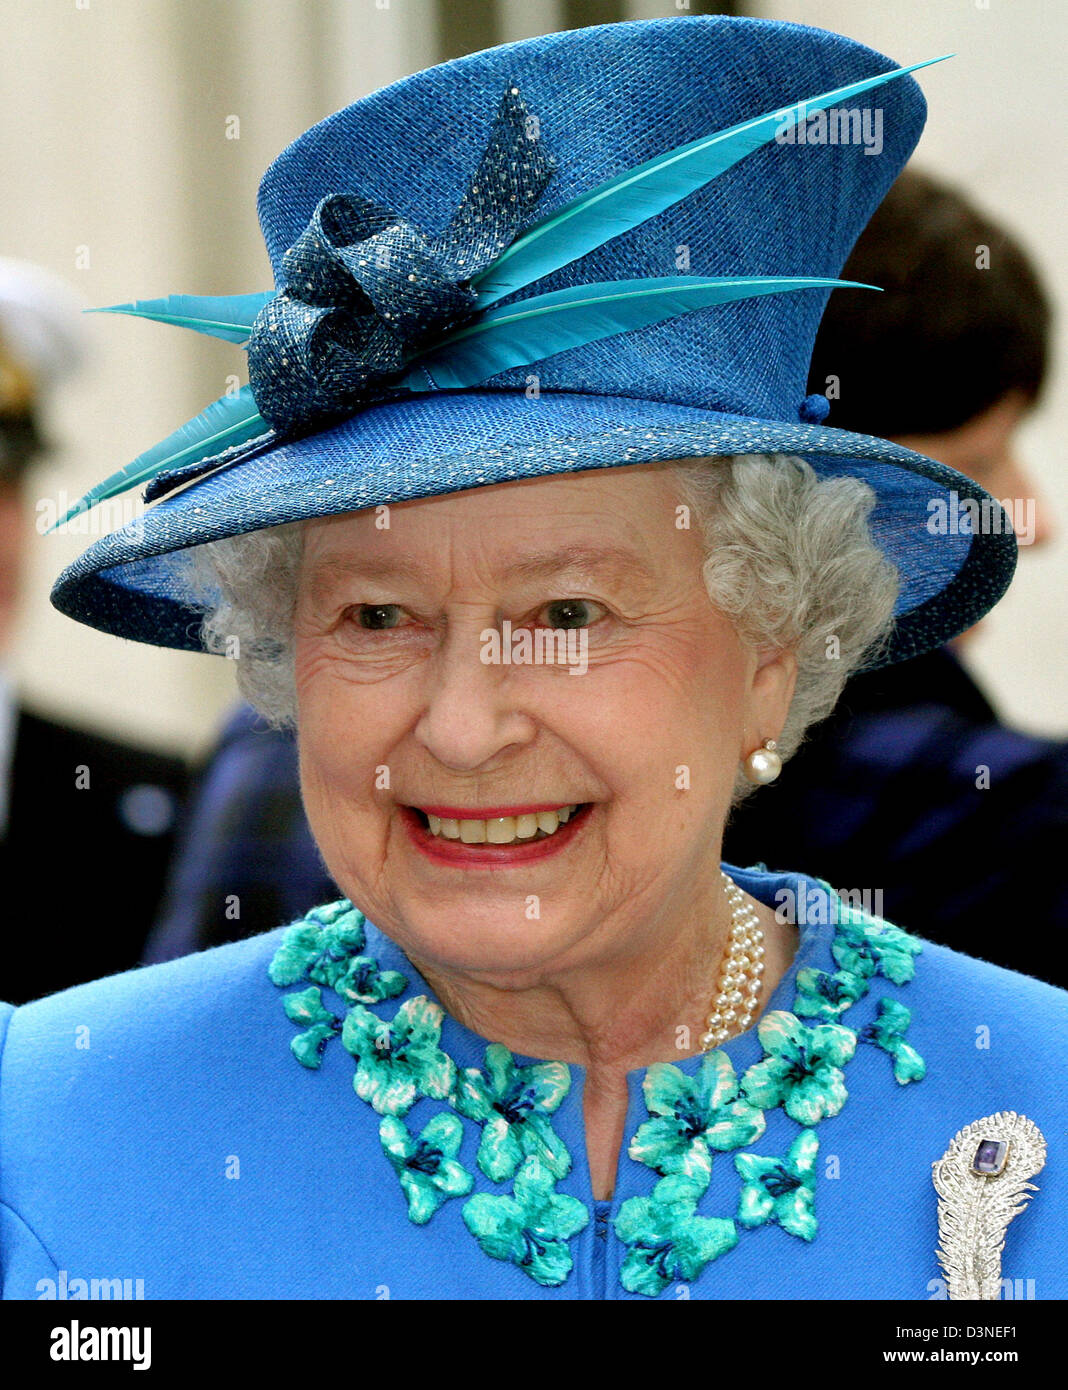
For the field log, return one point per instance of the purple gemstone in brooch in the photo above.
(990, 1157)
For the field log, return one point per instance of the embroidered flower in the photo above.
(825, 996)
(667, 1240)
(513, 1105)
(888, 1032)
(781, 1190)
(427, 1166)
(339, 913)
(869, 946)
(691, 1117)
(695, 1114)
(801, 1071)
(362, 982)
(306, 1008)
(324, 947)
(398, 1061)
(532, 1227)
(319, 946)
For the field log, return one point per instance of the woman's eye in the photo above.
(378, 616)
(572, 613)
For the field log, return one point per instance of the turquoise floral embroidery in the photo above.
(824, 996)
(325, 947)
(399, 1061)
(427, 1166)
(666, 1239)
(802, 1067)
(691, 1117)
(306, 1008)
(780, 1189)
(868, 946)
(330, 914)
(694, 1114)
(513, 1106)
(888, 1032)
(319, 946)
(362, 982)
(532, 1227)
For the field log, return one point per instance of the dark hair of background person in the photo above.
(944, 340)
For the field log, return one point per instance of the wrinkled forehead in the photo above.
(620, 524)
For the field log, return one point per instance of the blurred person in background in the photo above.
(913, 770)
(73, 805)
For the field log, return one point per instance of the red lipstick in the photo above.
(456, 854)
(492, 812)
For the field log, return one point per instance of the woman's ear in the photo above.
(770, 692)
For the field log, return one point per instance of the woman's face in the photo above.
(407, 709)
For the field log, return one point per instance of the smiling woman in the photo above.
(575, 796)
(556, 1047)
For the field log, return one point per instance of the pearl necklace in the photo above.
(740, 973)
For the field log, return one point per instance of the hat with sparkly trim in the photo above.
(604, 246)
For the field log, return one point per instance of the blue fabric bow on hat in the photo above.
(374, 308)
(366, 290)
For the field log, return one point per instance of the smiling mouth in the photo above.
(524, 828)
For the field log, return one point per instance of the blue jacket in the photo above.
(329, 1133)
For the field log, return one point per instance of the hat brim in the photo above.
(126, 583)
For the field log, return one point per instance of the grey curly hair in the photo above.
(790, 563)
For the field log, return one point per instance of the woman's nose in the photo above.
(1041, 527)
(471, 714)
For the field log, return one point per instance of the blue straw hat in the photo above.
(592, 248)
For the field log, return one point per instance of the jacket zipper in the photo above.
(601, 1237)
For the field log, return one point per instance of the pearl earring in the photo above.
(763, 765)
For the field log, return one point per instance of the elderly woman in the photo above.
(545, 588)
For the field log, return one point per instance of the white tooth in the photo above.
(500, 830)
(565, 814)
(473, 832)
(526, 827)
(450, 829)
(548, 821)
(435, 824)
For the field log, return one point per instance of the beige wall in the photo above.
(116, 115)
